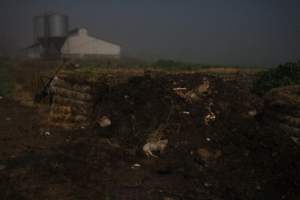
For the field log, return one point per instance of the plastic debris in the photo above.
(7, 118)
(208, 139)
(135, 166)
(1, 97)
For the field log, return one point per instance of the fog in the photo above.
(232, 32)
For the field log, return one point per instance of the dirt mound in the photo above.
(217, 148)
(143, 105)
(282, 107)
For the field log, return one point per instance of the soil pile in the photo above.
(217, 148)
(282, 107)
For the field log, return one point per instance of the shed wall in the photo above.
(84, 45)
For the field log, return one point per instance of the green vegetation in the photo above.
(283, 75)
(6, 83)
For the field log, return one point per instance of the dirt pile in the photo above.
(147, 106)
(246, 150)
(282, 107)
(232, 156)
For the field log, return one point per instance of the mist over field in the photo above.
(247, 33)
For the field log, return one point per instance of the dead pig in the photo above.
(104, 121)
(150, 147)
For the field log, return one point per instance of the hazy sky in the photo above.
(231, 32)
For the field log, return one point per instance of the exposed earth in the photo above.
(233, 157)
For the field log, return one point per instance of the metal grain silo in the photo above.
(39, 26)
(57, 26)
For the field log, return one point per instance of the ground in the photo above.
(243, 157)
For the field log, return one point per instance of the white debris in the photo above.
(47, 133)
(1, 97)
(252, 113)
(210, 117)
(135, 166)
(104, 121)
(160, 146)
(179, 88)
(208, 139)
(7, 118)
(55, 78)
(186, 113)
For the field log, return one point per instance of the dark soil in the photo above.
(256, 162)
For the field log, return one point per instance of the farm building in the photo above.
(80, 44)
(54, 40)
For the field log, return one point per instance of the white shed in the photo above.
(80, 44)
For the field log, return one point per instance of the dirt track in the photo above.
(256, 162)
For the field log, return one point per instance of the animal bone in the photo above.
(160, 146)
